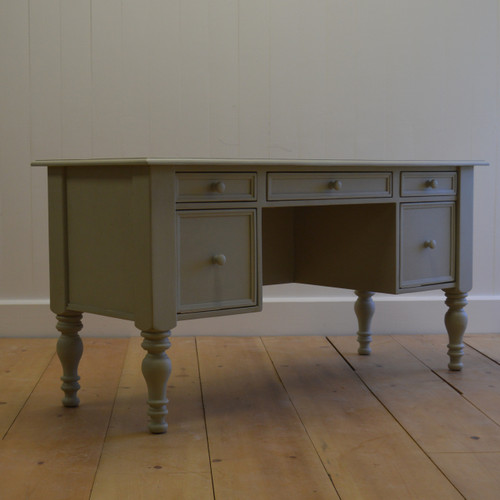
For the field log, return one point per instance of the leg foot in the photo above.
(364, 309)
(456, 322)
(69, 350)
(156, 368)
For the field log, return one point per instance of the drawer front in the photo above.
(427, 244)
(428, 183)
(217, 266)
(320, 186)
(206, 187)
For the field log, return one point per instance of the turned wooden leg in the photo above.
(69, 350)
(156, 368)
(364, 309)
(455, 321)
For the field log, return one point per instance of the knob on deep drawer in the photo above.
(219, 259)
(430, 244)
(431, 183)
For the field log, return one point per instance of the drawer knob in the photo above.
(431, 183)
(430, 244)
(218, 187)
(219, 259)
(337, 185)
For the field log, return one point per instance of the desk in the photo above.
(156, 241)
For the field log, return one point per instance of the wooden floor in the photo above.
(255, 418)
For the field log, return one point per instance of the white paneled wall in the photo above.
(391, 79)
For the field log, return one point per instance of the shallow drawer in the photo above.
(216, 259)
(427, 244)
(203, 187)
(320, 185)
(428, 183)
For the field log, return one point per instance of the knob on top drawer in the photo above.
(213, 186)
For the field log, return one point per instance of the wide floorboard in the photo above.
(255, 418)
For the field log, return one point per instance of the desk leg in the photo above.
(455, 321)
(156, 368)
(364, 309)
(69, 350)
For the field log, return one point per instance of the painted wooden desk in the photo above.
(160, 240)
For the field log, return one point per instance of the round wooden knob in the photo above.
(218, 187)
(219, 259)
(432, 183)
(337, 185)
(430, 244)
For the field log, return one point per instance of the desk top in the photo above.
(246, 162)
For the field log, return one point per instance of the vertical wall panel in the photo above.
(46, 129)
(371, 80)
(107, 85)
(164, 77)
(284, 78)
(224, 78)
(15, 175)
(405, 65)
(341, 66)
(135, 123)
(312, 90)
(45, 69)
(253, 60)
(194, 111)
(76, 79)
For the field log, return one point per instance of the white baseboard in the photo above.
(280, 316)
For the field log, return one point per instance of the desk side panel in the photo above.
(465, 229)
(100, 256)
(58, 254)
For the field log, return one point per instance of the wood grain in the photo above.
(353, 434)
(22, 363)
(474, 474)
(51, 451)
(479, 382)
(258, 445)
(281, 418)
(489, 345)
(436, 416)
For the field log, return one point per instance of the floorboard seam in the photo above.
(28, 397)
(300, 419)
(109, 421)
(481, 352)
(447, 382)
(204, 417)
(399, 423)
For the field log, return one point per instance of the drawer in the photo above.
(325, 185)
(428, 183)
(217, 266)
(427, 244)
(203, 187)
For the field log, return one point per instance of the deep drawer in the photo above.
(324, 185)
(206, 187)
(217, 266)
(428, 183)
(427, 244)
